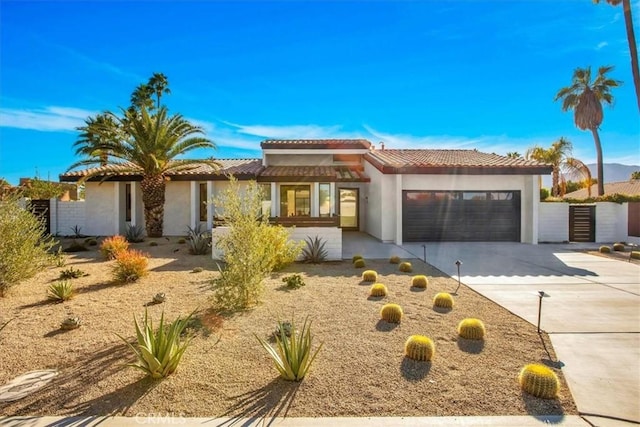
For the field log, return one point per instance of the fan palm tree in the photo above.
(159, 85)
(146, 144)
(559, 157)
(98, 128)
(631, 39)
(585, 98)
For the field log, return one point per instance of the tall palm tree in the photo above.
(159, 85)
(585, 98)
(559, 157)
(146, 144)
(631, 39)
(95, 129)
(141, 97)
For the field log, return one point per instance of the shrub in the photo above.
(24, 246)
(284, 250)
(72, 273)
(604, 249)
(618, 247)
(634, 255)
(314, 252)
(134, 233)
(159, 351)
(60, 291)
(395, 259)
(197, 270)
(539, 380)
(359, 263)
(294, 281)
(471, 329)
(391, 313)
(182, 241)
(405, 267)
(112, 246)
(76, 246)
(292, 355)
(58, 258)
(369, 276)
(92, 242)
(544, 194)
(419, 347)
(378, 290)
(419, 281)
(153, 243)
(356, 257)
(130, 266)
(443, 300)
(199, 240)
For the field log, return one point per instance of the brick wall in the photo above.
(66, 215)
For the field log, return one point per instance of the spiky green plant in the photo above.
(159, 351)
(71, 273)
(359, 263)
(471, 329)
(134, 233)
(292, 355)
(604, 249)
(405, 267)
(60, 291)
(356, 257)
(419, 281)
(369, 276)
(419, 347)
(294, 281)
(539, 380)
(378, 290)
(314, 252)
(618, 247)
(391, 313)
(395, 259)
(443, 300)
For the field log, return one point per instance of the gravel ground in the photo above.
(360, 371)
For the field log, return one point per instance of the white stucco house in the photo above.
(394, 195)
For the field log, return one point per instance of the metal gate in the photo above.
(40, 208)
(582, 223)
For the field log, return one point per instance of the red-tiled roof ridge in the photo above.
(629, 188)
(336, 143)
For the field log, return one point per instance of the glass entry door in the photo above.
(349, 208)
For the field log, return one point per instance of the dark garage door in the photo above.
(461, 216)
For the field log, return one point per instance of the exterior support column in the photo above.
(274, 200)
(332, 200)
(116, 208)
(194, 211)
(315, 199)
(134, 204)
(210, 207)
(398, 209)
(535, 211)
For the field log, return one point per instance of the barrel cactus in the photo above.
(160, 297)
(356, 257)
(605, 249)
(419, 347)
(70, 323)
(471, 329)
(405, 267)
(443, 300)
(369, 276)
(419, 281)
(395, 259)
(378, 290)
(391, 313)
(359, 263)
(634, 255)
(539, 380)
(618, 247)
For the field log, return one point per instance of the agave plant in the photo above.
(199, 241)
(292, 357)
(159, 351)
(60, 291)
(134, 233)
(314, 252)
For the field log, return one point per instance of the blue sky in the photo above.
(414, 74)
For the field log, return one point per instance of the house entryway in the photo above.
(349, 208)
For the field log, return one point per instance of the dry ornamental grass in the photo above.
(360, 371)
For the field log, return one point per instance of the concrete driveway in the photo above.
(592, 313)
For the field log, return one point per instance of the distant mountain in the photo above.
(613, 172)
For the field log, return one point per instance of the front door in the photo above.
(349, 208)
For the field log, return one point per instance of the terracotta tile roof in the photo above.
(312, 173)
(313, 144)
(451, 161)
(629, 188)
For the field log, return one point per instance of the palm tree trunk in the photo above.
(633, 47)
(596, 139)
(153, 199)
(555, 182)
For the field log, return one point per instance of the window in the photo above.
(266, 199)
(127, 202)
(203, 201)
(295, 200)
(324, 199)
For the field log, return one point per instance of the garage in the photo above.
(461, 216)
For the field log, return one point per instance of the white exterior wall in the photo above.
(331, 235)
(380, 214)
(177, 208)
(611, 222)
(100, 209)
(67, 215)
(553, 222)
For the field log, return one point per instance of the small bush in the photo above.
(359, 263)
(544, 194)
(60, 291)
(182, 241)
(419, 347)
(134, 233)
(405, 267)
(395, 259)
(419, 281)
(153, 243)
(314, 252)
(618, 247)
(391, 313)
(130, 266)
(72, 273)
(539, 380)
(292, 355)
(471, 329)
(634, 255)
(369, 276)
(294, 281)
(283, 250)
(443, 300)
(76, 246)
(604, 250)
(356, 257)
(58, 258)
(199, 240)
(197, 270)
(112, 246)
(378, 290)
(92, 242)
(159, 351)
